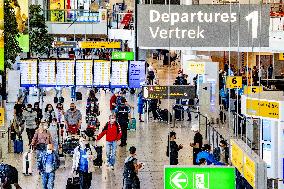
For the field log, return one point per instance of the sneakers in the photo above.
(112, 167)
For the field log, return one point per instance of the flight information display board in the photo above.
(84, 75)
(137, 75)
(46, 74)
(65, 73)
(101, 73)
(119, 74)
(28, 73)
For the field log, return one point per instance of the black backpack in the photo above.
(122, 113)
(129, 169)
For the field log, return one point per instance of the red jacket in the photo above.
(112, 132)
(112, 100)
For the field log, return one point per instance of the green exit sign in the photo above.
(122, 55)
(197, 177)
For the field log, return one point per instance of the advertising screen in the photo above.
(65, 72)
(28, 73)
(119, 74)
(46, 74)
(84, 75)
(137, 74)
(101, 73)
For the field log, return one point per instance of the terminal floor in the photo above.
(150, 138)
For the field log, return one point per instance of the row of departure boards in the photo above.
(50, 73)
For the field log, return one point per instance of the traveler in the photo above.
(123, 117)
(49, 113)
(47, 164)
(8, 176)
(151, 74)
(153, 106)
(73, 117)
(92, 98)
(113, 133)
(112, 102)
(140, 105)
(83, 163)
(39, 113)
(54, 132)
(59, 113)
(173, 148)
(18, 116)
(41, 139)
(205, 153)
(222, 153)
(270, 71)
(130, 173)
(197, 142)
(29, 117)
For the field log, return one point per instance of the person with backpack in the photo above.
(113, 133)
(29, 117)
(8, 176)
(173, 148)
(222, 153)
(83, 157)
(131, 168)
(123, 117)
(47, 164)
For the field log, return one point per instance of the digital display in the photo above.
(46, 75)
(137, 74)
(172, 92)
(101, 74)
(84, 75)
(266, 130)
(119, 74)
(28, 73)
(65, 73)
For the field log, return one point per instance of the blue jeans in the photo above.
(48, 180)
(111, 152)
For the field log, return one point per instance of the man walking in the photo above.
(123, 117)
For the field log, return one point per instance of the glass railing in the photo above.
(74, 15)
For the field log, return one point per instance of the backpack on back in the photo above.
(129, 169)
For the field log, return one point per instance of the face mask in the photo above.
(49, 109)
(45, 127)
(82, 144)
(112, 120)
(92, 105)
(29, 109)
(72, 109)
(49, 151)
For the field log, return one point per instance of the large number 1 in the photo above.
(253, 16)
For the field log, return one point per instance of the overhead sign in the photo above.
(197, 177)
(65, 44)
(28, 73)
(203, 25)
(262, 108)
(195, 67)
(99, 45)
(137, 74)
(172, 92)
(234, 82)
(101, 73)
(122, 55)
(252, 89)
(2, 117)
(281, 56)
(2, 35)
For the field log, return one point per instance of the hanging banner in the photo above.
(2, 35)
(57, 13)
(21, 9)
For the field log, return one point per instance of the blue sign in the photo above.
(137, 74)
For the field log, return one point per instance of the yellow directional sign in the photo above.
(249, 170)
(234, 82)
(281, 56)
(253, 89)
(262, 108)
(2, 117)
(99, 45)
(237, 156)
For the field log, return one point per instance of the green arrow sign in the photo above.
(197, 177)
(122, 56)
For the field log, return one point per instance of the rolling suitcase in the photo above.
(132, 126)
(27, 163)
(73, 183)
(18, 146)
(78, 96)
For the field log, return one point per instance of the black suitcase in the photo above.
(73, 183)
(179, 112)
(164, 115)
(99, 159)
(61, 100)
(78, 96)
(55, 100)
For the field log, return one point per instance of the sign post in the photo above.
(197, 177)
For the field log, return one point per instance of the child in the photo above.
(174, 148)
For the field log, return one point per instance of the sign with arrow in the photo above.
(196, 177)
